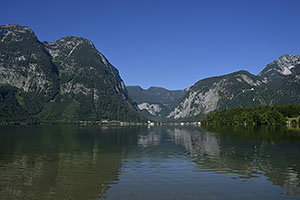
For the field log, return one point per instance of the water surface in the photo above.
(59, 162)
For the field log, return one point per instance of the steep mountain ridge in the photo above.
(25, 62)
(28, 77)
(287, 91)
(68, 79)
(282, 66)
(279, 80)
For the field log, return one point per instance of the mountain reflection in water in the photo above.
(155, 163)
(60, 162)
(245, 156)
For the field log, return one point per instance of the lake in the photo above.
(65, 162)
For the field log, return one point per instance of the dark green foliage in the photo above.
(268, 115)
(10, 107)
(18, 105)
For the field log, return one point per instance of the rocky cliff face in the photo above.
(77, 56)
(68, 79)
(279, 80)
(28, 77)
(25, 63)
(277, 69)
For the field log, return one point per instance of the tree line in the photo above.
(267, 115)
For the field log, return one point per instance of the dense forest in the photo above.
(267, 115)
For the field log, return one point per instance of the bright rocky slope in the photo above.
(155, 102)
(278, 83)
(66, 80)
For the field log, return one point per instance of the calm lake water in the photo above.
(60, 162)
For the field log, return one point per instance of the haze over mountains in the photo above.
(69, 80)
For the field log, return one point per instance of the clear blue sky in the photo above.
(169, 43)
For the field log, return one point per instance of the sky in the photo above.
(169, 43)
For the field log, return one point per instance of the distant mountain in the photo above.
(278, 83)
(155, 102)
(68, 79)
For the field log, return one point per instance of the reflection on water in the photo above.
(248, 156)
(60, 162)
(196, 144)
(156, 163)
(151, 138)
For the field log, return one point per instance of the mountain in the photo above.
(278, 83)
(70, 80)
(155, 102)
(280, 68)
(67, 80)
(282, 78)
(28, 77)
